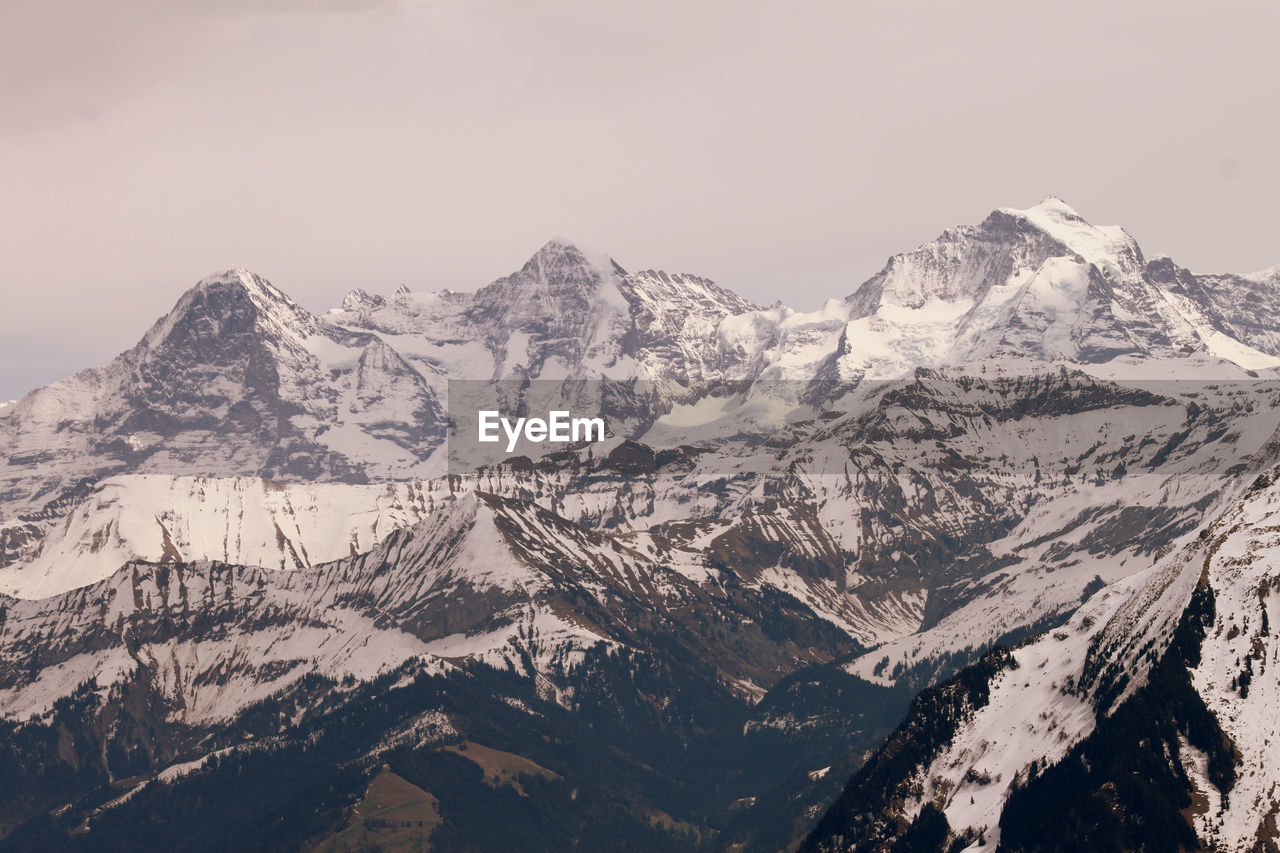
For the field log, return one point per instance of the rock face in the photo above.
(1241, 307)
(241, 533)
(237, 379)
(1147, 720)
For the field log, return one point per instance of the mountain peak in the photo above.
(1056, 205)
(235, 275)
(559, 240)
(563, 249)
(1051, 211)
(357, 298)
(228, 300)
(1108, 247)
(1263, 275)
(240, 281)
(559, 288)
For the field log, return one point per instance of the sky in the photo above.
(783, 149)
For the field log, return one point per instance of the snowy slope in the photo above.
(251, 522)
(481, 579)
(1051, 694)
(1233, 678)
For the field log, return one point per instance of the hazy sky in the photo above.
(785, 149)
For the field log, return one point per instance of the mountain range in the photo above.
(1011, 495)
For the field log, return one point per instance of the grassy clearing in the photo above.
(501, 768)
(394, 816)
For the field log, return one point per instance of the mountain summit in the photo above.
(1041, 284)
(240, 380)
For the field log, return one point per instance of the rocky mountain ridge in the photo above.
(246, 523)
(238, 380)
(1145, 721)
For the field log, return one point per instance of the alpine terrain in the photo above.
(982, 554)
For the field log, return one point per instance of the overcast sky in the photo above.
(784, 149)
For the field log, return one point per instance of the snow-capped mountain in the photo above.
(1040, 283)
(238, 380)
(927, 517)
(1145, 721)
(245, 524)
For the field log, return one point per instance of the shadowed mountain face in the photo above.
(236, 552)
